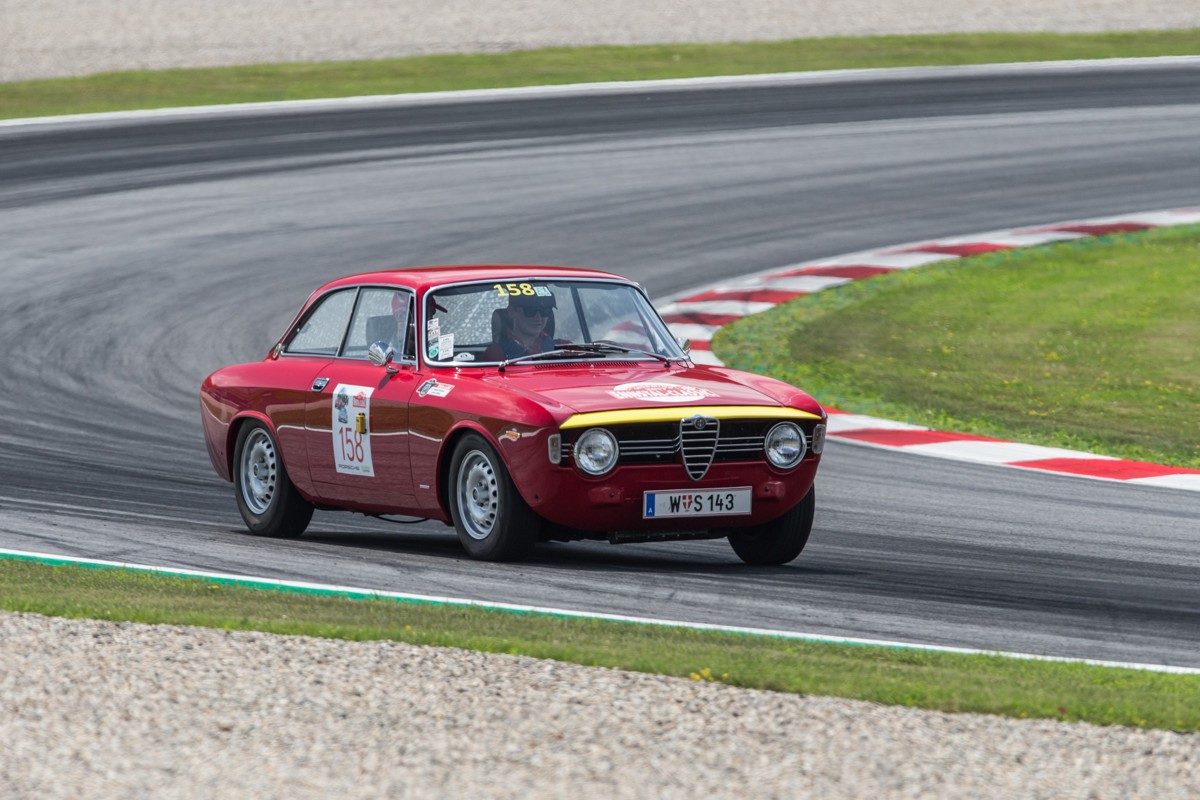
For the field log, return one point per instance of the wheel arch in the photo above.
(446, 456)
(235, 426)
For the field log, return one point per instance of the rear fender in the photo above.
(236, 425)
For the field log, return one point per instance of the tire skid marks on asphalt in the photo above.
(700, 314)
(24, 504)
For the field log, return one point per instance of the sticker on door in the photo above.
(352, 430)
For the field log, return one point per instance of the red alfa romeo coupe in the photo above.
(518, 404)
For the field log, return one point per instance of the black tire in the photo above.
(778, 541)
(493, 521)
(269, 503)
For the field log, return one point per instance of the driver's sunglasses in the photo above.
(534, 311)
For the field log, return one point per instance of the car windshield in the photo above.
(550, 319)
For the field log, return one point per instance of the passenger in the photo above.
(523, 328)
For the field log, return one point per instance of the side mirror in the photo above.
(381, 354)
(685, 344)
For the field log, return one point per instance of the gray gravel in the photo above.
(98, 709)
(77, 37)
(94, 709)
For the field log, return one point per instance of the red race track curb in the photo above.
(701, 313)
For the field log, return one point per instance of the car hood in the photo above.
(604, 387)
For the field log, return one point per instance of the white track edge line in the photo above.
(779, 634)
(615, 87)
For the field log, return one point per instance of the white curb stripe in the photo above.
(1186, 482)
(697, 333)
(1152, 218)
(741, 308)
(801, 283)
(890, 259)
(844, 423)
(706, 358)
(1008, 239)
(354, 591)
(997, 452)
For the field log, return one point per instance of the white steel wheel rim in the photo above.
(478, 495)
(260, 472)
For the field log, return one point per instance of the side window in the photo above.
(382, 315)
(322, 330)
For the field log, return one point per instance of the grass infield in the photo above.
(1088, 344)
(914, 678)
(192, 87)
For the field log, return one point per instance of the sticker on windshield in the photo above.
(517, 289)
(445, 347)
(433, 332)
(352, 430)
(660, 392)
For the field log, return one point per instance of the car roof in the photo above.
(424, 278)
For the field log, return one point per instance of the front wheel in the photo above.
(492, 519)
(269, 503)
(778, 541)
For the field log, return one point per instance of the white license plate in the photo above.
(690, 503)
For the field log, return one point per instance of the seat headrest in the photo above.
(381, 328)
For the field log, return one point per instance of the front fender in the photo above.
(523, 451)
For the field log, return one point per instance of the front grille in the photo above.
(664, 442)
(698, 442)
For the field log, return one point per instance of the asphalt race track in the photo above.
(137, 256)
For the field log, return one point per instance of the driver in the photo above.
(524, 331)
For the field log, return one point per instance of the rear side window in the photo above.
(324, 327)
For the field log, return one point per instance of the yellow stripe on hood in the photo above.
(676, 413)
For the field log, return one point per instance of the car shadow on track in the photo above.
(706, 556)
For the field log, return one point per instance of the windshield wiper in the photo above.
(583, 349)
(563, 351)
(609, 347)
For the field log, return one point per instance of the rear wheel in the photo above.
(492, 519)
(778, 541)
(269, 503)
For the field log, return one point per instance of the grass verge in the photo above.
(914, 678)
(1087, 344)
(191, 87)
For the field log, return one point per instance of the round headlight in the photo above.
(785, 445)
(596, 451)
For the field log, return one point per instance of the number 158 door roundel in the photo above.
(351, 430)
